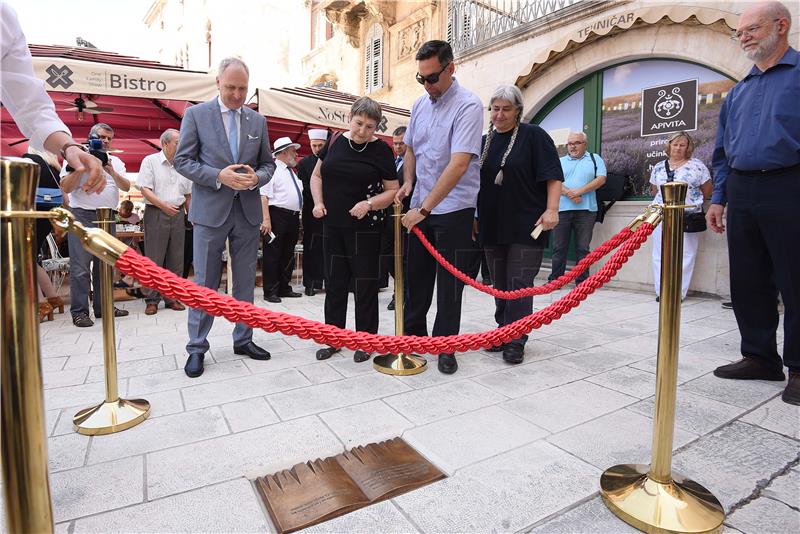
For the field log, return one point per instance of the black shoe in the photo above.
(391, 304)
(194, 365)
(791, 395)
(290, 294)
(82, 320)
(514, 353)
(310, 291)
(498, 348)
(122, 284)
(448, 364)
(117, 313)
(327, 352)
(361, 356)
(750, 369)
(658, 299)
(254, 351)
(272, 298)
(727, 305)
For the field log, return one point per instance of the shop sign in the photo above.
(669, 108)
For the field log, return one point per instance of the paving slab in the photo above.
(84, 395)
(785, 488)
(365, 423)
(127, 369)
(141, 385)
(627, 380)
(97, 488)
(471, 437)
(590, 517)
(470, 364)
(694, 413)
(95, 357)
(690, 365)
(529, 378)
(777, 416)
(439, 402)
(253, 453)
(565, 406)
(733, 460)
(598, 360)
(765, 516)
(381, 518)
(227, 507)
(622, 437)
(499, 494)
(249, 413)
(159, 433)
(743, 393)
(222, 392)
(66, 452)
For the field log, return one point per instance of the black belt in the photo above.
(286, 210)
(768, 172)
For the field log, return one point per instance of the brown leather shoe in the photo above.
(175, 305)
(750, 369)
(791, 395)
(151, 308)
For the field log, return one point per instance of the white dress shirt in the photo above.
(226, 117)
(280, 191)
(159, 175)
(21, 91)
(107, 198)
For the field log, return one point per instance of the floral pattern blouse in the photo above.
(693, 172)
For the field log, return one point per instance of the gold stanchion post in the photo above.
(399, 364)
(115, 414)
(654, 498)
(27, 490)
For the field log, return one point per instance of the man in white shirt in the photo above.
(166, 194)
(23, 94)
(281, 203)
(84, 205)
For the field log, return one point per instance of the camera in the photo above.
(94, 145)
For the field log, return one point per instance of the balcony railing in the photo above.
(475, 23)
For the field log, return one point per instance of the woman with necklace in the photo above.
(352, 184)
(682, 167)
(520, 188)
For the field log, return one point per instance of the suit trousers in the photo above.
(209, 242)
(762, 225)
(84, 268)
(164, 237)
(352, 254)
(513, 266)
(277, 262)
(582, 222)
(451, 235)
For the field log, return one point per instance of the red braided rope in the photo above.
(615, 241)
(174, 287)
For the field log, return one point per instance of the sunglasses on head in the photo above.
(430, 78)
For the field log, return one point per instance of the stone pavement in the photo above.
(524, 446)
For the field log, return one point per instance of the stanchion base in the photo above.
(399, 364)
(110, 417)
(681, 505)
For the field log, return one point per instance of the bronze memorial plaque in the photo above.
(313, 492)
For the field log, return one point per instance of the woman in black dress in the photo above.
(352, 184)
(520, 187)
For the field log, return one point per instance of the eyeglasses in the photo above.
(737, 35)
(430, 78)
(576, 143)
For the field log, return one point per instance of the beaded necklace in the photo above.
(498, 180)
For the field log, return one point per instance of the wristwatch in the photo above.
(423, 211)
(369, 203)
(64, 148)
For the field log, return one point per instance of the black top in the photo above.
(507, 213)
(304, 170)
(349, 176)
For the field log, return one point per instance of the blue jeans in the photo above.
(582, 222)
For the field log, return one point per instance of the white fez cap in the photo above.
(317, 134)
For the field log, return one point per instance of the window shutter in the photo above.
(373, 59)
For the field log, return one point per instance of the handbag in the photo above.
(692, 222)
(47, 197)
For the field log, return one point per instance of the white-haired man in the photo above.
(166, 196)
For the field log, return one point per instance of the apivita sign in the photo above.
(669, 108)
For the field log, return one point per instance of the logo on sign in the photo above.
(669, 108)
(59, 76)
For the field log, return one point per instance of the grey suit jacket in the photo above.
(203, 151)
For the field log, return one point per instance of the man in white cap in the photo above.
(313, 264)
(281, 203)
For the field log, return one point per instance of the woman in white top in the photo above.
(683, 168)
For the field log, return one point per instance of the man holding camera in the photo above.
(83, 206)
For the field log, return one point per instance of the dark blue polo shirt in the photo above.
(759, 123)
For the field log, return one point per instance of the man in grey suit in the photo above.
(224, 150)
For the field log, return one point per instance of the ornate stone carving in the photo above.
(410, 39)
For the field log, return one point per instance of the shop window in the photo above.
(373, 59)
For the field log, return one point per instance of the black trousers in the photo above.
(451, 235)
(313, 259)
(513, 267)
(277, 262)
(762, 225)
(352, 254)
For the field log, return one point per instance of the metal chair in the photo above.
(56, 266)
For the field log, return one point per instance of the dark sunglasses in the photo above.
(430, 78)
